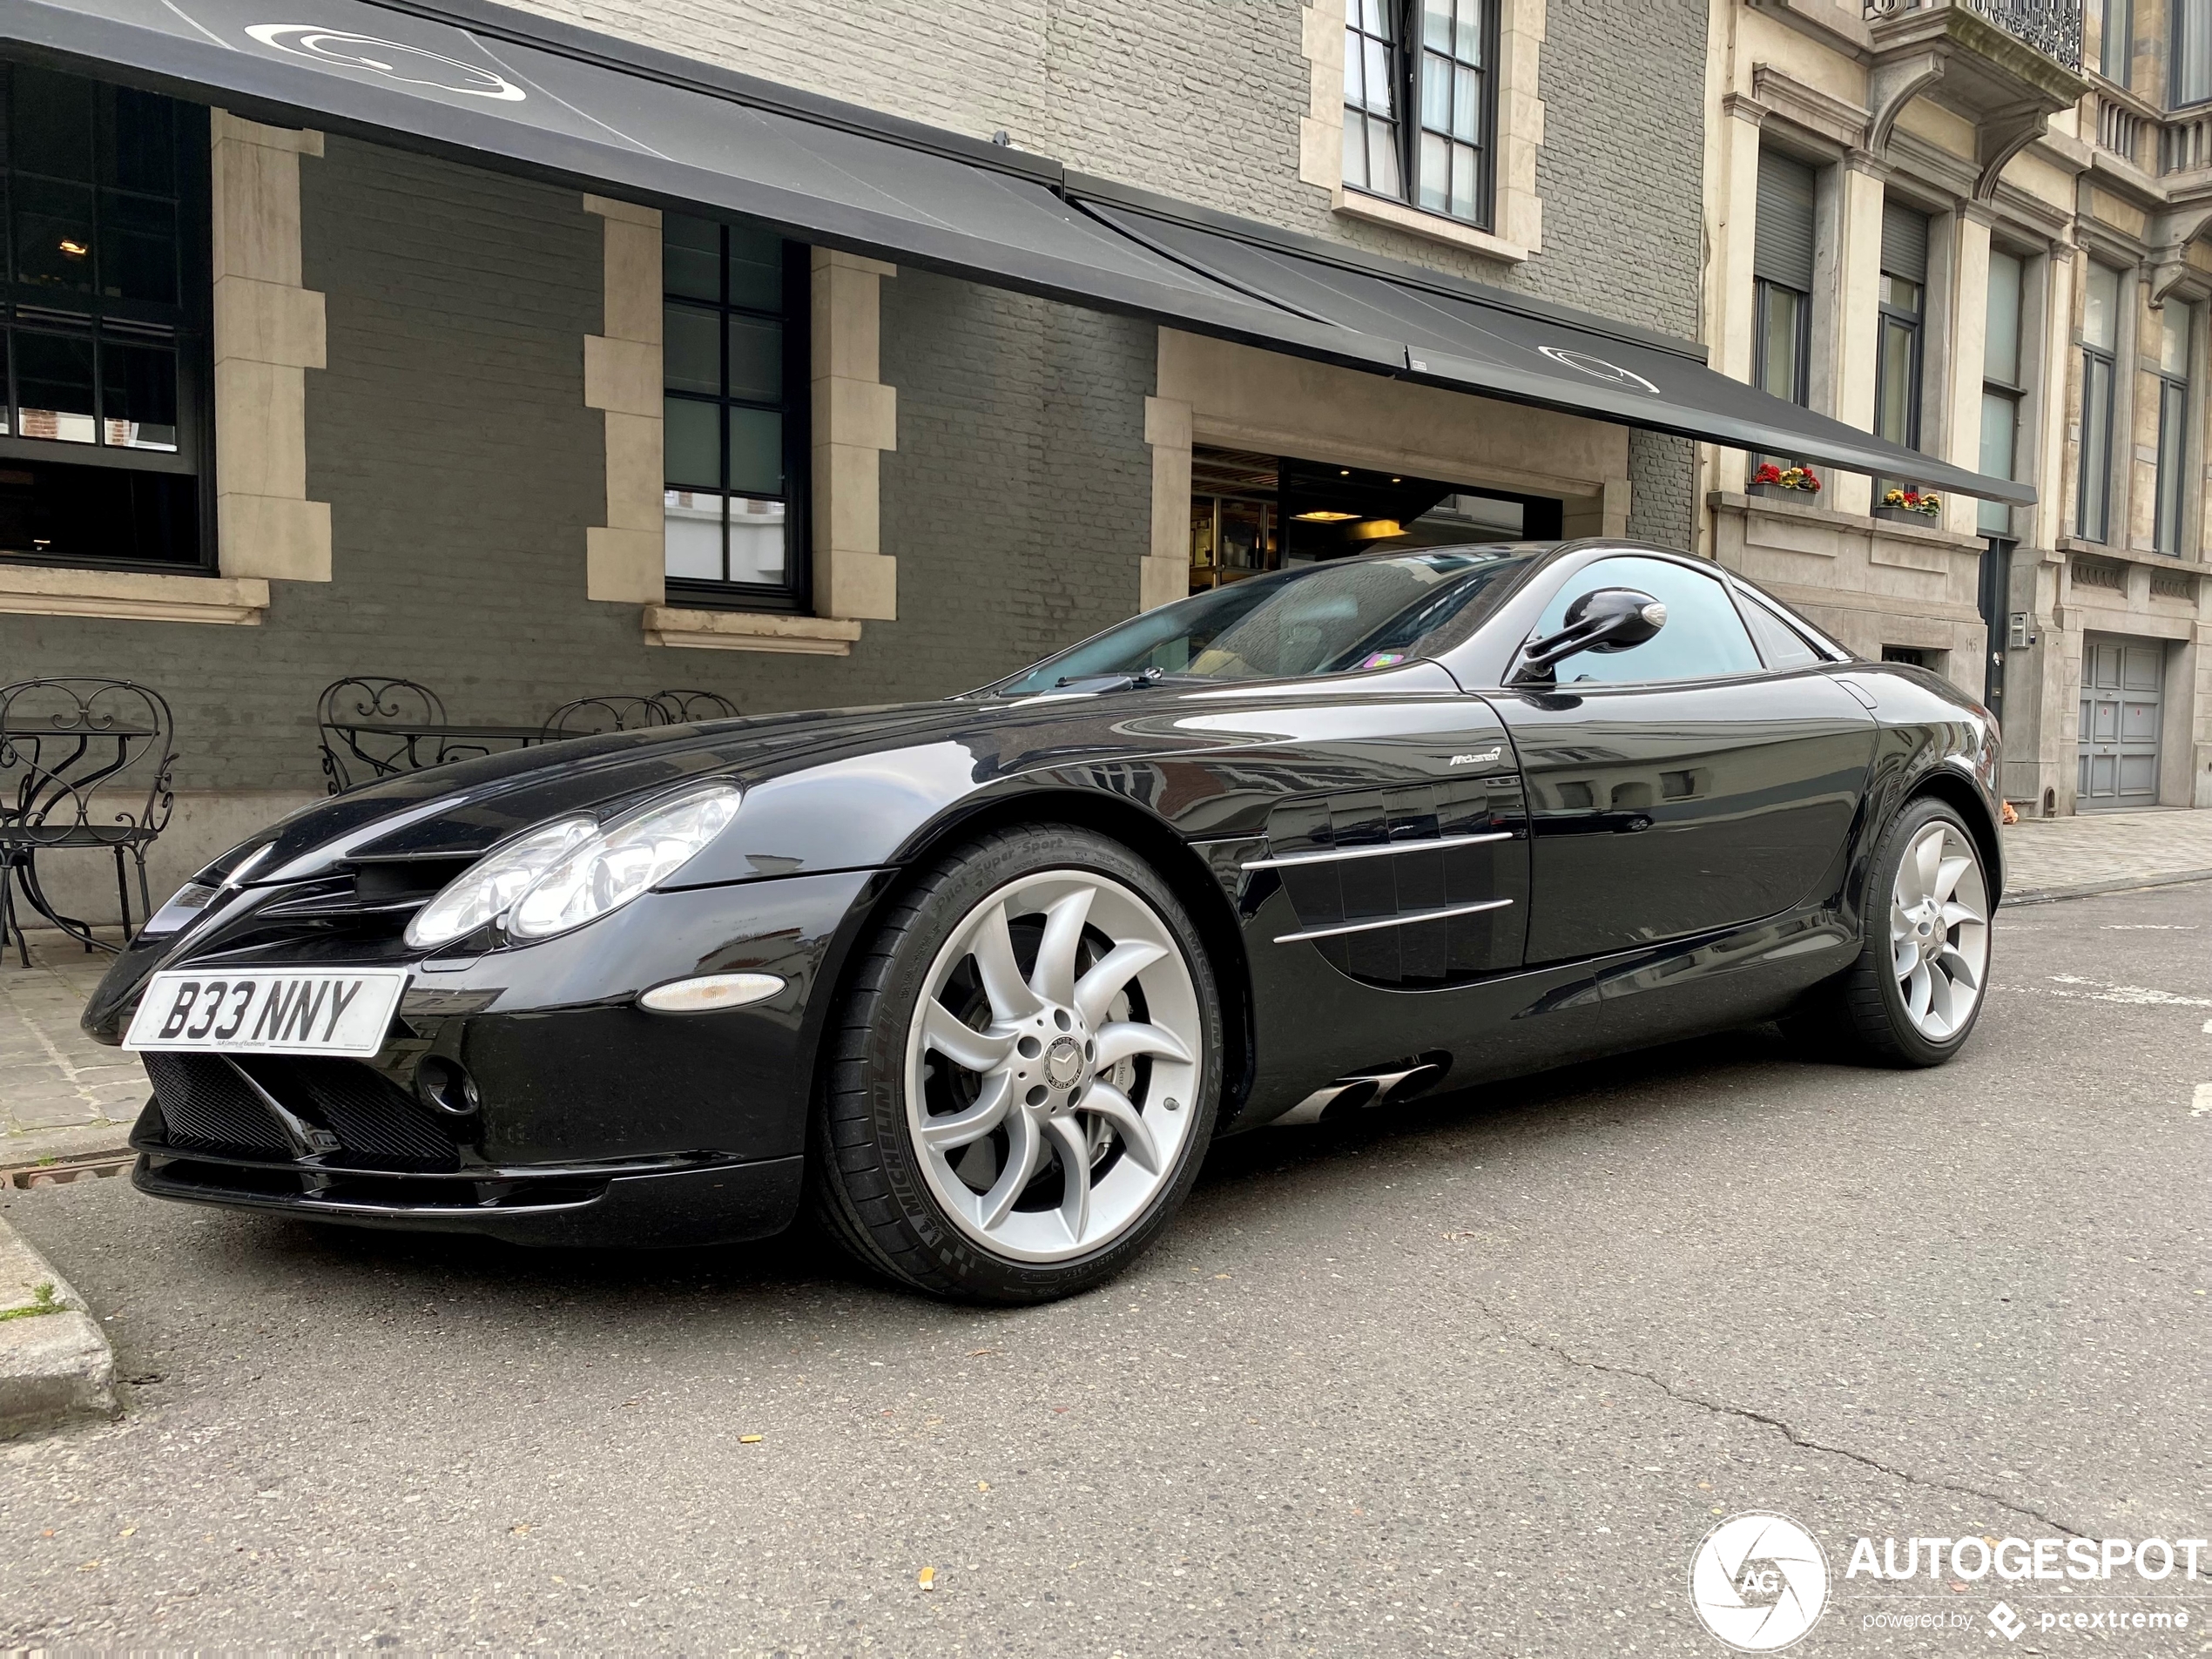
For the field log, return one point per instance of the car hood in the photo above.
(466, 806)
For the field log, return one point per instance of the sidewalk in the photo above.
(2066, 858)
(63, 1095)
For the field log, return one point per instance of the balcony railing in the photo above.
(2053, 27)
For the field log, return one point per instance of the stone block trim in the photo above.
(1165, 573)
(625, 558)
(855, 423)
(268, 331)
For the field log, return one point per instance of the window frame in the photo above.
(2125, 10)
(1405, 53)
(2169, 488)
(2098, 363)
(1993, 517)
(1914, 327)
(794, 594)
(2177, 21)
(185, 328)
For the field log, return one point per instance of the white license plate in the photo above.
(275, 1010)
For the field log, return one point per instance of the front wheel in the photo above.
(1025, 1077)
(1916, 990)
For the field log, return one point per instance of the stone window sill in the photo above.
(1730, 501)
(2070, 545)
(132, 596)
(679, 625)
(1378, 209)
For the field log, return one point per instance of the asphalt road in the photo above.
(1474, 1378)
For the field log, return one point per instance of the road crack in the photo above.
(1788, 1431)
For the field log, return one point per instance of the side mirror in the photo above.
(1605, 619)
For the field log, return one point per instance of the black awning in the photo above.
(472, 80)
(1504, 344)
(589, 111)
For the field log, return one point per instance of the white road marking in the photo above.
(2201, 1106)
(2136, 995)
(2150, 926)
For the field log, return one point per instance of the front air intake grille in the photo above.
(207, 1105)
(360, 1106)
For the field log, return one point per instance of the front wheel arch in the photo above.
(1185, 871)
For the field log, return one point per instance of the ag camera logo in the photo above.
(1759, 1582)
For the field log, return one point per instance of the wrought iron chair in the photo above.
(355, 751)
(62, 789)
(588, 717)
(681, 708)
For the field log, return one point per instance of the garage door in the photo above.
(2121, 682)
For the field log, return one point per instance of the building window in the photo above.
(2116, 40)
(2002, 390)
(1420, 103)
(1782, 267)
(734, 368)
(2192, 52)
(104, 341)
(2100, 343)
(2175, 335)
(1897, 358)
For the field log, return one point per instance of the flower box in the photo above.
(1909, 516)
(1781, 492)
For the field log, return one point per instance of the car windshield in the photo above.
(1330, 619)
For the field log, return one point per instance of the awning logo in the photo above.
(1598, 369)
(415, 66)
(1758, 1581)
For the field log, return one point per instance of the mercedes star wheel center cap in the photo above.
(1063, 1062)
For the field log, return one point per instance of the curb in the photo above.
(2090, 889)
(53, 1366)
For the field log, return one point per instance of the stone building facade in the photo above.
(1977, 223)
(436, 390)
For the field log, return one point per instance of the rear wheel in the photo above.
(1913, 995)
(1025, 1076)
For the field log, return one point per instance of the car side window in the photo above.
(1782, 645)
(1703, 637)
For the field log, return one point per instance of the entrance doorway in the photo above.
(1251, 512)
(2122, 680)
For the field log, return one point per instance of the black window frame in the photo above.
(100, 319)
(1406, 53)
(794, 594)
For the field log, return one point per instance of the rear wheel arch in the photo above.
(1940, 783)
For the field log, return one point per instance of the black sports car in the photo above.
(982, 978)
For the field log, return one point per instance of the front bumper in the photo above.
(706, 1202)
(594, 1121)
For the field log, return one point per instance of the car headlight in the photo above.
(488, 888)
(628, 858)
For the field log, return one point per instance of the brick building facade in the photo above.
(436, 437)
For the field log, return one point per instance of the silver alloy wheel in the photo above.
(1049, 1108)
(1940, 931)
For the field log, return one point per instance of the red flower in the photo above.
(1767, 474)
